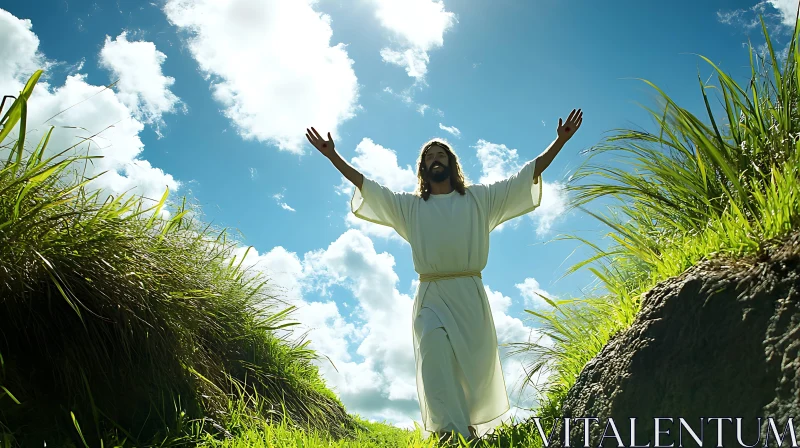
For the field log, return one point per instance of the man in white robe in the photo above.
(460, 380)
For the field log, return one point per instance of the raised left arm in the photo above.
(565, 132)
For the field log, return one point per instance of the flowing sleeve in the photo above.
(375, 203)
(515, 196)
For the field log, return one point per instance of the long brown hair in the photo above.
(457, 178)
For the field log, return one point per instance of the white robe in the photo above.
(450, 233)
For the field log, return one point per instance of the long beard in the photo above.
(439, 176)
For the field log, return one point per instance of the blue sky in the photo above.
(214, 99)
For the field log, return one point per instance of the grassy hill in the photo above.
(133, 323)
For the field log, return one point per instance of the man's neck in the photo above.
(442, 187)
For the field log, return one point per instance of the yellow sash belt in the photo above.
(432, 277)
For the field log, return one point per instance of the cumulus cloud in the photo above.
(418, 26)
(382, 383)
(142, 86)
(531, 291)
(451, 129)
(104, 116)
(271, 65)
(380, 164)
(19, 47)
(498, 162)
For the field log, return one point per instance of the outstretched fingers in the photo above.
(571, 116)
(578, 119)
(311, 138)
(575, 116)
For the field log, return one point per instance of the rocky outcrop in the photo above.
(722, 340)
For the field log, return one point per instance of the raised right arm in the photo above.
(327, 148)
(352, 174)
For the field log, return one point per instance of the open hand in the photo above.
(324, 146)
(567, 130)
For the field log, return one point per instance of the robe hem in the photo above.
(508, 408)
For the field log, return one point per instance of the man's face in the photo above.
(437, 165)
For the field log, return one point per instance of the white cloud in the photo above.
(381, 385)
(19, 49)
(104, 114)
(509, 329)
(253, 173)
(739, 17)
(415, 61)
(530, 290)
(784, 11)
(142, 86)
(271, 65)
(498, 162)
(419, 25)
(406, 96)
(380, 164)
(76, 67)
(787, 10)
(279, 199)
(451, 129)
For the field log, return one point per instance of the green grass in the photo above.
(693, 190)
(132, 323)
